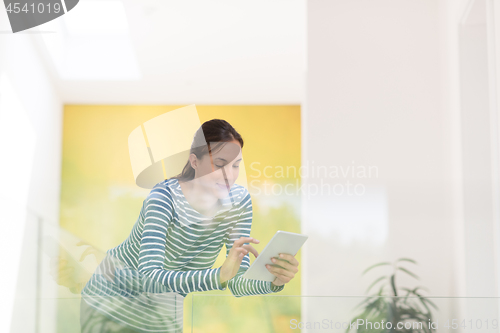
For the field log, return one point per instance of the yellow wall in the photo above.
(100, 201)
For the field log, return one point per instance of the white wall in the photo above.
(476, 155)
(20, 63)
(451, 14)
(376, 95)
(405, 86)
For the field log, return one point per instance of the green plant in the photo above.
(395, 305)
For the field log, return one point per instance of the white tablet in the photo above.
(282, 242)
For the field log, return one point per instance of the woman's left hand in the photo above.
(287, 270)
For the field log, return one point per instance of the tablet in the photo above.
(282, 242)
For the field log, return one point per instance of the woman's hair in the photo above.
(210, 135)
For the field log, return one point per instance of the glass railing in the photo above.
(283, 313)
(47, 299)
(287, 313)
(45, 285)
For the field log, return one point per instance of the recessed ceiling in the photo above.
(177, 52)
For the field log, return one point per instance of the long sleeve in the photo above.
(158, 208)
(238, 285)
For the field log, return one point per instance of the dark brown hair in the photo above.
(215, 130)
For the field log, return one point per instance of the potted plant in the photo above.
(392, 305)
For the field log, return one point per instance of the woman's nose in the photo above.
(230, 174)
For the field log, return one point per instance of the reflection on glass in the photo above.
(140, 285)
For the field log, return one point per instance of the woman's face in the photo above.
(218, 171)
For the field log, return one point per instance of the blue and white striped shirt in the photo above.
(168, 254)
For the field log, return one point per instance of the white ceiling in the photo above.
(179, 52)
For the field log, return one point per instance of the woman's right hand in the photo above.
(233, 261)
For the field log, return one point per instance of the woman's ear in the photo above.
(193, 161)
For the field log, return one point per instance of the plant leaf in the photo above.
(368, 299)
(428, 301)
(380, 291)
(407, 294)
(406, 259)
(408, 272)
(419, 287)
(393, 284)
(375, 282)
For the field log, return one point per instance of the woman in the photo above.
(182, 226)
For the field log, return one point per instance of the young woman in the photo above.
(182, 226)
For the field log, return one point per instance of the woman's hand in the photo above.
(236, 253)
(99, 255)
(287, 270)
(62, 273)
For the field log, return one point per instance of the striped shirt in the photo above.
(169, 253)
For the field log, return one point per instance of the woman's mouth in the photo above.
(221, 187)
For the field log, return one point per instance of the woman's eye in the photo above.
(236, 166)
(219, 166)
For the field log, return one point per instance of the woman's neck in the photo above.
(200, 199)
